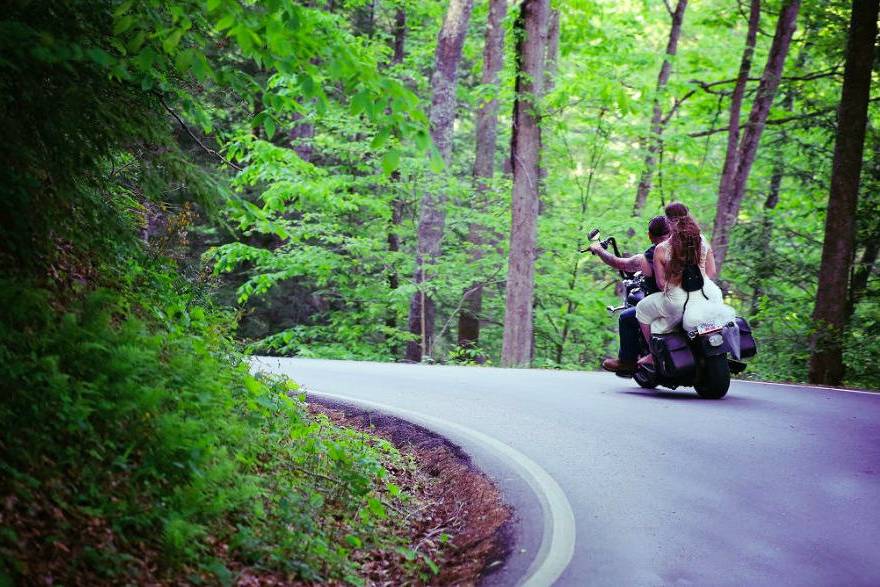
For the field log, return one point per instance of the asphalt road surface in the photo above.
(615, 485)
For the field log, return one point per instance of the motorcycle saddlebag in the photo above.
(674, 353)
(747, 345)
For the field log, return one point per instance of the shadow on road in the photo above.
(669, 395)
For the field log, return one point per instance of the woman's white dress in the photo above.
(665, 310)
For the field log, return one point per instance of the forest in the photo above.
(186, 183)
(389, 244)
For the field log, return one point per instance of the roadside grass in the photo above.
(137, 447)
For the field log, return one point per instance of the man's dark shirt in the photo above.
(650, 282)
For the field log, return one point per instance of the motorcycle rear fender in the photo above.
(708, 349)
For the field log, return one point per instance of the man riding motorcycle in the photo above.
(628, 326)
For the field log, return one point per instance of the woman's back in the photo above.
(673, 261)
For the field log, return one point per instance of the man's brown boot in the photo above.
(618, 366)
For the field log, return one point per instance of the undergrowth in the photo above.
(136, 446)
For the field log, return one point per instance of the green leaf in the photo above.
(307, 83)
(437, 163)
(123, 8)
(219, 570)
(359, 103)
(171, 41)
(390, 161)
(253, 385)
(225, 22)
(136, 42)
(269, 126)
(265, 402)
(100, 56)
(431, 565)
(123, 24)
(422, 140)
(380, 139)
(377, 509)
(183, 61)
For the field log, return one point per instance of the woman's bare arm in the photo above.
(660, 256)
(711, 271)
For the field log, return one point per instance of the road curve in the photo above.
(774, 485)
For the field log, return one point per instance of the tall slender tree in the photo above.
(484, 165)
(525, 152)
(654, 138)
(766, 268)
(870, 240)
(551, 63)
(728, 173)
(432, 215)
(729, 204)
(399, 32)
(830, 313)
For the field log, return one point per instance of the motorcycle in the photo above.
(703, 357)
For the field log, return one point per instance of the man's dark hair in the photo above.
(676, 210)
(659, 226)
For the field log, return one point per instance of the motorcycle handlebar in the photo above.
(594, 235)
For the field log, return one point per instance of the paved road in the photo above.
(774, 485)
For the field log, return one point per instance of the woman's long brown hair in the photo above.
(686, 247)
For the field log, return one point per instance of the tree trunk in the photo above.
(862, 272)
(727, 211)
(863, 269)
(399, 32)
(364, 19)
(830, 313)
(653, 141)
(728, 173)
(766, 265)
(300, 137)
(432, 215)
(399, 36)
(484, 165)
(531, 27)
(552, 59)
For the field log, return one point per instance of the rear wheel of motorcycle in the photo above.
(716, 378)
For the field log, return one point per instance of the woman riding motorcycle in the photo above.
(683, 266)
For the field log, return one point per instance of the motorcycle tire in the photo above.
(716, 378)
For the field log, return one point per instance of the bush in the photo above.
(134, 415)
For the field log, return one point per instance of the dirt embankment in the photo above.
(460, 521)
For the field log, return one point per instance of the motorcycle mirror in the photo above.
(594, 234)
